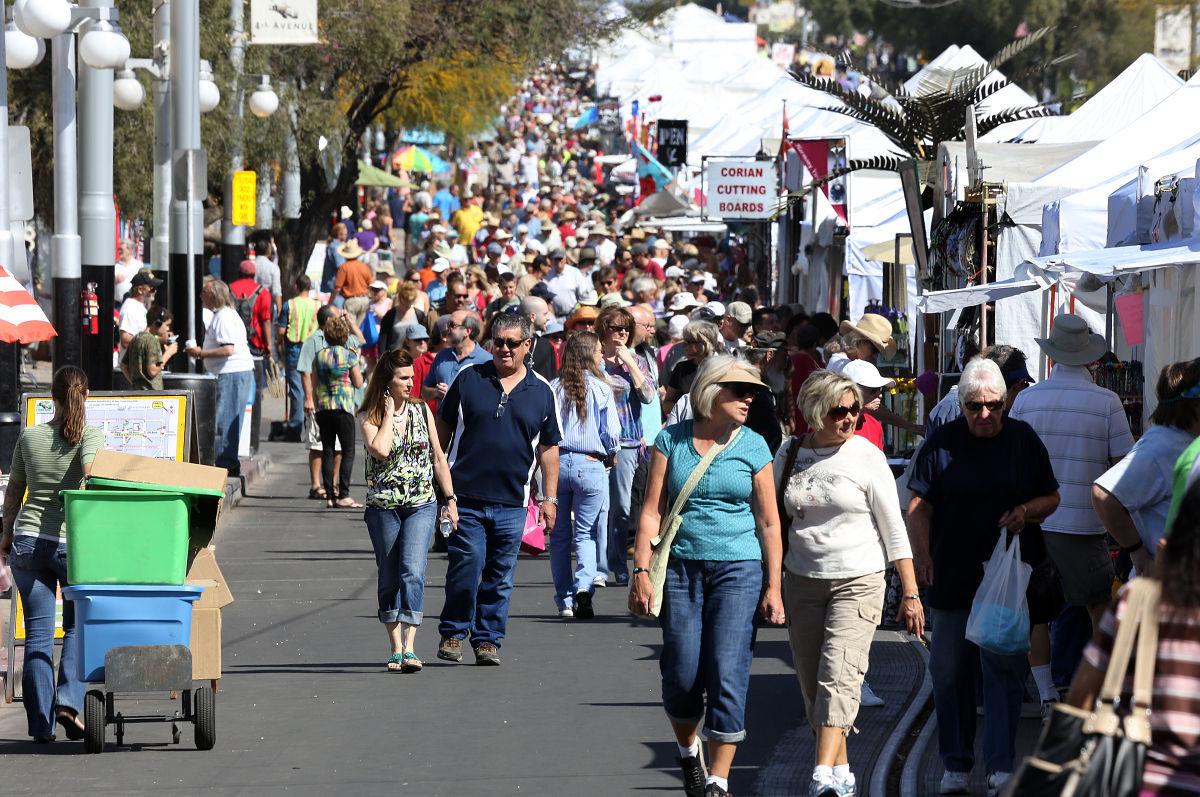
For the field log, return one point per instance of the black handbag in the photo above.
(1101, 753)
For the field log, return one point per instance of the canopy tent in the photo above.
(21, 319)
(1114, 262)
(973, 295)
(1010, 163)
(373, 176)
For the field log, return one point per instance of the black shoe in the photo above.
(713, 790)
(693, 775)
(623, 580)
(583, 606)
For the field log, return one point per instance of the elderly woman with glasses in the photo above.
(701, 339)
(715, 575)
(977, 477)
(844, 520)
(629, 376)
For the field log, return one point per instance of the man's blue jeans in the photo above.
(707, 621)
(479, 579)
(954, 663)
(39, 567)
(582, 492)
(401, 538)
(295, 387)
(232, 390)
(620, 480)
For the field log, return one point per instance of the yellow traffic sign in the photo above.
(245, 197)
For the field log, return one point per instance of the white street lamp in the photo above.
(43, 19)
(128, 93)
(103, 45)
(21, 51)
(264, 101)
(209, 95)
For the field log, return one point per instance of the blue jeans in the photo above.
(1069, 635)
(582, 490)
(38, 567)
(295, 387)
(232, 390)
(620, 484)
(954, 663)
(479, 579)
(401, 538)
(707, 621)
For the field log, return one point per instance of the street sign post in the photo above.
(672, 143)
(245, 197)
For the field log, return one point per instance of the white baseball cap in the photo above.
(676, 324)
(865, 374)
(440, 265)
(683, 301)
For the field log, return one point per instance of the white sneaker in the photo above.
(955, 783)
(600, 581)
(822, 787)
(997, 781)
(566, 614)
(867, 698)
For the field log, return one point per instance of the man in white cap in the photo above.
(436, 290)
(1086, 431)
(660, 250)
(734, 325)
(871, 384)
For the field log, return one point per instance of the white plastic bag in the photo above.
(999, 619)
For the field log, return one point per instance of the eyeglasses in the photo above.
(458, 295)
(508, 343)
(977, 406)
(622, 329)
(838, 413)
(741, 390)
(500, 407)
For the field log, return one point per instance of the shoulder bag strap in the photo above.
(1122, 649)
(694, 479)
(788, 466)
(1147, 645)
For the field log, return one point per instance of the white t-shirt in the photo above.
(1143, 480)
(845, 517)
(123, 276)
(569, 288)
(225, 328)
(133, 317)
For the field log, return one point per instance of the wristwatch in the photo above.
(913, 597)
(452, 497)
(546, 499)
(637, 570)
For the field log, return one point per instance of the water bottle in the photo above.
(445, 526)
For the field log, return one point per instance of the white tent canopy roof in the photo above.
(973, 295)
(1114, 262)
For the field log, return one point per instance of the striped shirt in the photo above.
(599, 432)
(46, 464)
(1085, 429)
(628, 401)
(1173, 758)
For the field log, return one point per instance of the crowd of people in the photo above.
(508, 359)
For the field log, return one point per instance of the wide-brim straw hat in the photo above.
(351, 250)
(874, 328)
(1071, 342)
(582, 313)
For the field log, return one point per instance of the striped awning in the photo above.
(21, 319)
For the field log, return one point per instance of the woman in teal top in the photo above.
(404, 457)
(48, 458)
(715, 575)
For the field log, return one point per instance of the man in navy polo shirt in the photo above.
(501, 420)
(461, 334)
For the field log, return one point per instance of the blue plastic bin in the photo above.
(114, 616)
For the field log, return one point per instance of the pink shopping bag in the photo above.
(533, 540)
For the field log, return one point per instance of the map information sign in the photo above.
(143, 423)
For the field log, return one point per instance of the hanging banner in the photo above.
(672, 143)
(740, 189)
(822, 157)
(283, 22)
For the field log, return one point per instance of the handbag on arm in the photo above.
(1101, 753)
(669, 526)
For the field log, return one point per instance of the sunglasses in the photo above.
(838, 413)
(500, 407)
(977, 406)
(507, 343)
(623, 329)
(741, 390)
(459, 295)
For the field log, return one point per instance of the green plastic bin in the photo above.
(203, 506)
(126, 536)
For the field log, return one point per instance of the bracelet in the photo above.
(912, 597)
(637, 570)
(546, 499)
(452, 497)
(1133, 548)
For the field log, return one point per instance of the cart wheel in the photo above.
(93, 722)
(204, 712)
(175, 734)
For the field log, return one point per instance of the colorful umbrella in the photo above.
(21, 319)
(416, 159)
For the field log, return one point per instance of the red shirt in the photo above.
(420, 371)
(871, 429)
(802, 367)
(260, 314)
(653, 269)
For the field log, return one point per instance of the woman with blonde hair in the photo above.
(727, 526)
(336, 374)
(404, 313)
(844, 526)
(590, 441)
(47, 459)
(479, 290)
(404, 457)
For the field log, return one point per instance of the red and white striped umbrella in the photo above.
(21, 319)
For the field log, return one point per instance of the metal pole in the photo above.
(66, 245)
(97, 214)
(160, 243)
(233, 237)
(187, 219)
(10, 353)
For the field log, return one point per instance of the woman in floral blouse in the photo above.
(403, 459)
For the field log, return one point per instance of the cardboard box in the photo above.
(204, 485)
(206, 615)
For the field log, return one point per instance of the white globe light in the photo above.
(43, 19)
(104, 47)
(22, 51)
(209, 96)
(264, 102)
(128, 92)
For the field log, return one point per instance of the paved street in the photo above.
(306, 708)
